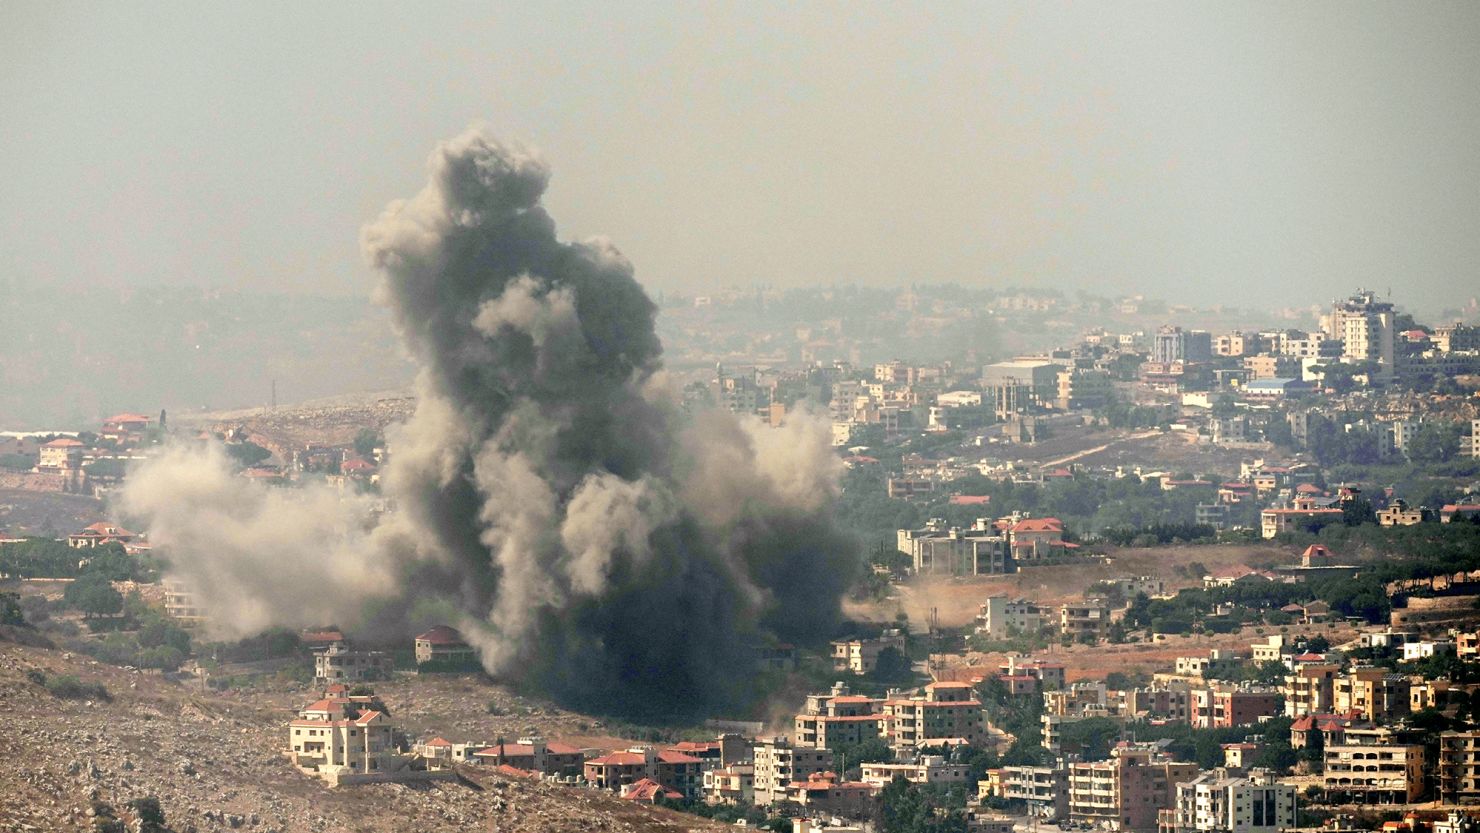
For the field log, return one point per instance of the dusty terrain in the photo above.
(26, 512)
(333, 421)
(956, 601)
(215, 763)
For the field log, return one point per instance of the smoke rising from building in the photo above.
(591, 539)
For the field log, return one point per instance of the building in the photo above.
(938, 550)
(1272, 367)
(181, 604)
(1044, 789)
(124, 430)
(1398, 513)
(1039, 378)
(1375, 773)
(98, 534)
(838, 719)
(1173, 344)
(1276, 387)
(733, 785)
(1243, 707)
(534, 754)
(1217, 802)
(619, 770)
(1127, 791)
(946, 712)
(442, 645)
(1274, 522)
(1080, 388)
(1032, 539)
(825, 792)
(338, 663)
(1001, 617)
(861, 656)
(60, 456)
(1364, 325)
(1086, 621)
(339, 736)
(1374, 694)
(930, 769)
(1459, 767)
(1310, 689)
(778, 763)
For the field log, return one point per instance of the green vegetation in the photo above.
(69, 687)
(247, 453)
(47, 558)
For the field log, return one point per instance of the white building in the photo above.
(1214, 802)
(1001, 616)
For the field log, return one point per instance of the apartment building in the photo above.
(1310, 689)
(1374, 694)
(1044, 789)
(1217, 802)
(1459, 767)
(946, 711)
(952, 551)
(838, 718)
(1127, 791)
(535, 754)
(1001, 616)
(1086, 621)
(930, 769)
(732, 785)
(778, 762)
(1242, 707)
(1374, 773)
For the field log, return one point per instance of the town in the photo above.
(1156, 581)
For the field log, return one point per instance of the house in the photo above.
(621, 769)
(861, 656)
(100, 533)
(181, 604)
(1001, 617)
(1086, 621)
(1044, 789)
(1398, 513)
(732, 785)
(534, 754)
(441, 753)
(342, 736)
(1032, 539)
(125, 429)
(443, 644)
(1373, 773)
(1449, 514)
(1274, 522)
(839, 718)
(1459, 767)
(939, 550)
(930, 769)
(60, 456)
(648, 791)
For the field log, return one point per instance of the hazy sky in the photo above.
(1254, 153)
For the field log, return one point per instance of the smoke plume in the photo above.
(547, 493)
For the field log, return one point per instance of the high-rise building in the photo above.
(1365, 327)
(1216, 802)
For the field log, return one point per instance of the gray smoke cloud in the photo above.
(591, 540)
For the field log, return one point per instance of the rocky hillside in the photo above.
(214, 762)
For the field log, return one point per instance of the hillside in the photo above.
(214, 762)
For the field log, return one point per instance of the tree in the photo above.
(247, 453)
(94, 596)
(10, 610)
(366, 441)
(160, 633)
(892, 666)
(149, 813)
(1435, 442)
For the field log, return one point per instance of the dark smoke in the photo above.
(594, 543)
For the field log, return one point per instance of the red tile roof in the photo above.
(515, 750)
(649, 790)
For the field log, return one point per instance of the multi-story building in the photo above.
(674, 770)
(1373, 773)
(1459, 767)
(1242, 707)
(733, 785)
(1001, 617)
(930, 769)
(1173, 344)
(60, 456)
(1374, 694)
(443, 644)
(946, 711)
(778, 763)
(1272, 367)
(1274, 522)
(339, 663)
(1217, 802)
(862, 655)
(344, 736)
(1310, 689)
(181, 604)
(952, 551)
(1127, 791)
(1082, 388)
(1037, 378)
(838, 718)
(1365, 327)
(1044, 789)
(1088, 620)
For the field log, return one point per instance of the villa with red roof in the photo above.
(443, 644)
(60, 456)
(100, 533)
(125, 429)
(342, 736)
